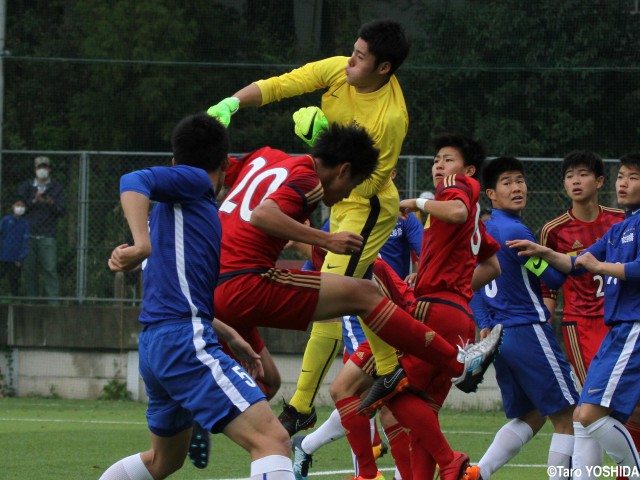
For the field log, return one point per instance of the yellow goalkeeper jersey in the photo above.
(382, 113)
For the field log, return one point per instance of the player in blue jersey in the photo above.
(186, 374)
(535, 379)
(612, 387)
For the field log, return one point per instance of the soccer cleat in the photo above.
(199, 446)
(380, 450)
(456, 469)
(301, 459)
(377, 477)
(383, 389)
(293, 421)
(472, 473)
(476, 358)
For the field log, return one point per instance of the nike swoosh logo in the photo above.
(393, 379)
(331, 267)
(309, 134)
(537, 264)
(594, 390)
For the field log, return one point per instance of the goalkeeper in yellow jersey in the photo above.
(360, 90)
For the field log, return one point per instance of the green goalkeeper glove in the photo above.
(310, 123)
(223, 110)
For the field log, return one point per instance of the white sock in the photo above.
(130, 468)
(586, 452)
(506, 444)
(272, 467)
(396, 475)
(616, 441)
(328, 432)
(560, 452)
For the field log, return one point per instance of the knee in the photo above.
(365, 297)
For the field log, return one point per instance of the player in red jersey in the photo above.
(457, 257)
(583, 325)
(270, 198)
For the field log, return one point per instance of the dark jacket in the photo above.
(43, 217)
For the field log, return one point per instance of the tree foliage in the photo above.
(527, 78)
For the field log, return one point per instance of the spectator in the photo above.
(14, 245)
(44, 199)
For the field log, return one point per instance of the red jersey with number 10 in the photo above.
(291, 182)
(451, 251)
(583, 294)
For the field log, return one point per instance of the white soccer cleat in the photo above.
(476, 358)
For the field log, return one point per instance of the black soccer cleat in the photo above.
(199, 446)
(383, 389)
(293, 421)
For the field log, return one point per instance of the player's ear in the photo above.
(344, 169)
(225, 163)
(384, 68)
(599, 181)
(173, 162)
(491, 193)
(470, 170)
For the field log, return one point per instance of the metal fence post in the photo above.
(411, 182)
(83, 219)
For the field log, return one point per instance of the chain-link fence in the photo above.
(92, 223)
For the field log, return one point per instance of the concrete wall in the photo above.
(74, 351)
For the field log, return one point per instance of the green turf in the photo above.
(72, 439)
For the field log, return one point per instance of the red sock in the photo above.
(401, 330)
(416, 415)
(399, 443)
(422, 463)
(634, 431)
(358, 430)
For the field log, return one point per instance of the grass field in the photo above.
(70, 439)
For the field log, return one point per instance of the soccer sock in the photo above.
(411, 336)
(586, 452)
(422, 463)
(385, 354)
(130, 468)
(272, 467)
(560, 452)
(322, 348)
(415, 414)
(616, 441)
(506, 444)
(399, 441)
(329, 431)
(359, 435)
(633, 428)
(375, 435)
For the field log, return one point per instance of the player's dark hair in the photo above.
(200, 141)
(631, 160)
(472, 152)
(497, 167)
(346, 143)
(387, 41)
(586, 158)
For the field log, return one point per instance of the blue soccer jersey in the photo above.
(405, 238)
(540, 380)
(515, 297)
(186, 373)
(185, 232)
(620, 245)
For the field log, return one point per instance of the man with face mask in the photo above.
(45, 203)
(14, 245)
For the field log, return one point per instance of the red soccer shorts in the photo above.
(277, 298)
(582, 339)
(454, 324)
